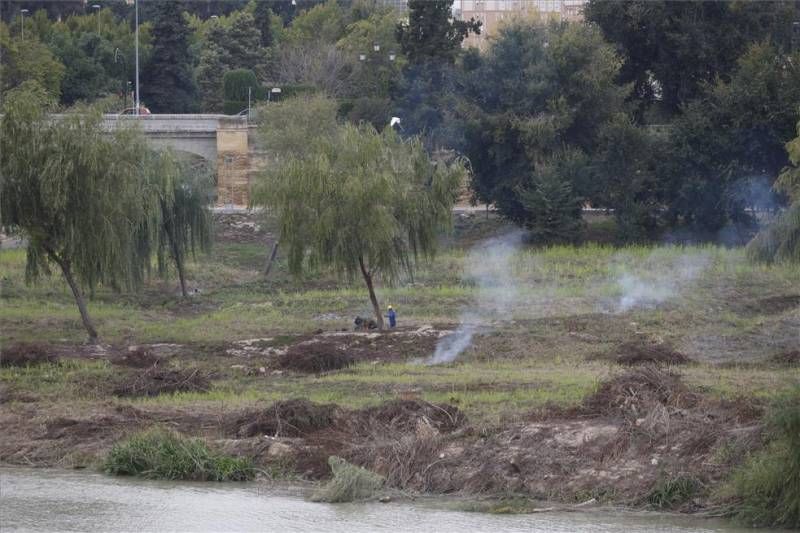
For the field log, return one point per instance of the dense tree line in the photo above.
(673, 115)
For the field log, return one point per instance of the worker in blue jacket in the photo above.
(392, 316)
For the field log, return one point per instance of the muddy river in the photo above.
(57, 500)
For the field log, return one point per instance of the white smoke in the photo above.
(489, 268)
(664, 280)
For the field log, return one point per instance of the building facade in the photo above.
(494, 13)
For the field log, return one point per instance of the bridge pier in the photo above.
(223, 141)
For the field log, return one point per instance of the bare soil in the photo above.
(25, 354)
(333, 350)
(137, 357)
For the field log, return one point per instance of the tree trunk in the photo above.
(372, 298)
(271, 258)
(79, 299)
(176, 254)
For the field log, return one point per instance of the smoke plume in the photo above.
(489, 268)
(664, 280)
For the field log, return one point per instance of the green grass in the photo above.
(535, 354)
(235, 302)
(162, 454)
(671, 492)
(68, 379)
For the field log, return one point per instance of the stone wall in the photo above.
(233, 165)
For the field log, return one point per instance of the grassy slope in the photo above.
(535, 354)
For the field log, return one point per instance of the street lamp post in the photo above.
(96, 8)
(136, 9)
(373, 59)
(22, 22)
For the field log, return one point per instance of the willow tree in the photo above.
(361, 202)
(75, 192)
(183, 223)
(780, 241)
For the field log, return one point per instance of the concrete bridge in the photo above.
(226, 142)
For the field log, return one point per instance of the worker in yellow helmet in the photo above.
(392, 316)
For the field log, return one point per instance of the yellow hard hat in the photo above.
(390, 307)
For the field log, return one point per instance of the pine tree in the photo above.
(554, 211)
(431, 31)
(182, 224)
(244, 42)
(167, 82)
(263, 20)
(214, 62)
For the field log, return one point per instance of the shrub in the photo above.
(236, 84)
(349, 483)
(671, 492)
(161, 454)
(767, 487)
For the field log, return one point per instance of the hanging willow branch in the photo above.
(182, 225)
(364, 203)
(75, 192)
(780, 241)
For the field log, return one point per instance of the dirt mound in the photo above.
(773, 305)
(791, 358)
(138, 358)
(314, 357)
(26, 354)
(291, 418)
(61, 427)
(156, 380)
(638, 391)
(403, 416)
(640, 353)
(238, 228)
(397, 439)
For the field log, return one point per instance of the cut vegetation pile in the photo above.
(791, 358)
(291, 418)
(348, 483)
(26, 354)
(638, 391)
(314, 358)
(161, 454)
(156, 380)
(394, 438)
(329, 351)
(640, 352)
(403, 416)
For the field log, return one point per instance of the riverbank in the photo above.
(569, 393)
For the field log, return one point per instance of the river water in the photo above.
(58, 500)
